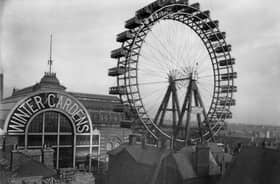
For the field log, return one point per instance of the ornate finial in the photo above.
(50, 61)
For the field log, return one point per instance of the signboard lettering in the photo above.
(51, 101)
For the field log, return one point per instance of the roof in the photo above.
(215, 148)
(254, 165)
(92, 102)
(13, 99)
(48, 81)
(184, 161)
(94, 96)
(30, 167)
(98, 104)
(186, 165)
(231, 140)
(34, 168)
(150, 155)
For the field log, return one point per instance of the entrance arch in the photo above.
(56, 119)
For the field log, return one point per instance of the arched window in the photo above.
(55, 130)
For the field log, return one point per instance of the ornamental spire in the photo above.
(50, 61)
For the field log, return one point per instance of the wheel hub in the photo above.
(182, 76)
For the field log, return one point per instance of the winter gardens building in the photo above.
(77, 128)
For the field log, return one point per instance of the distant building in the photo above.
(267, 134)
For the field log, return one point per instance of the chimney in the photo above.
(1, 86)
(159, 142)
(202, 160)
(132, 139)
(164, 143)
(143, 141)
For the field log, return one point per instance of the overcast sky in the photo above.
(84, 34)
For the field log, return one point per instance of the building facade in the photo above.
(79, 127)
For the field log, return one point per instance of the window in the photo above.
(54, 130)
(37, 124)
(34, 140)
(51, 140)
(51, 121)
(66, 140)
(109, 146)
(83, 139)
(64, 125)
(95, 139)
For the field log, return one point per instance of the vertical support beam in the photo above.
(184, 109)
(174, 90)
(173, 110)
(164, 107)
(162, 104)
(176, 101)
(196, 100)
(189, 111)
(179, 129)
(204, 113)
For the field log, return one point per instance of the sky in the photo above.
(84, 34)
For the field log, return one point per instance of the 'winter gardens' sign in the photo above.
(48, 101)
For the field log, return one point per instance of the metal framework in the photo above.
(127, 72)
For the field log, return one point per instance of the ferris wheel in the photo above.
(175, 70)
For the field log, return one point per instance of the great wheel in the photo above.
(175, 70)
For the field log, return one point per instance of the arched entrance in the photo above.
(54, 130)
(58, 120)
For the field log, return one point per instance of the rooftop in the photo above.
(254, 165)
(50, 82)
